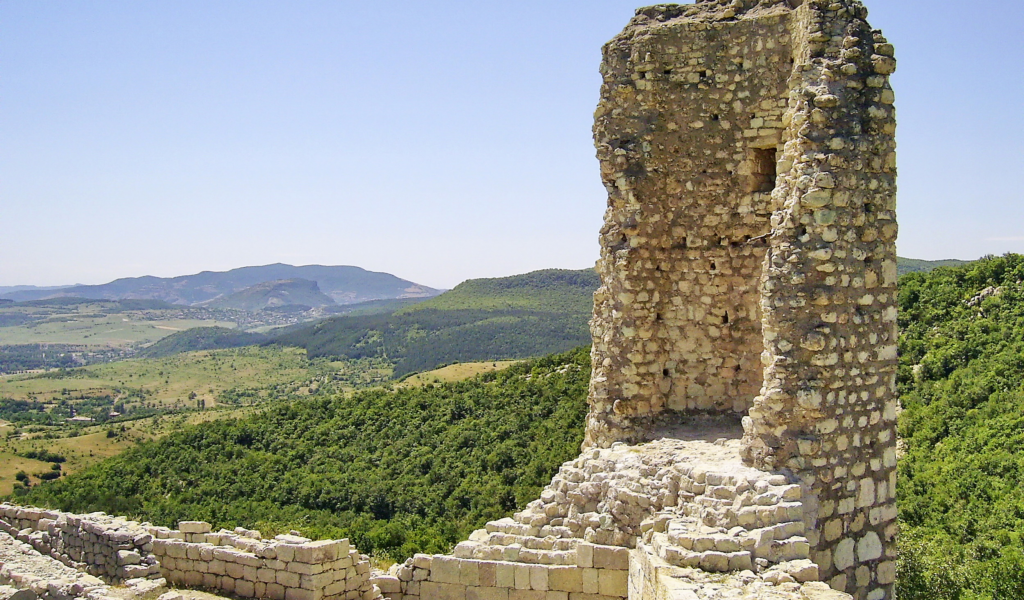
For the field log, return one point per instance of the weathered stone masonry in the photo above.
(748, 254)
(239, 562)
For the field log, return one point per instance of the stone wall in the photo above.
(110, 547)
(241, 563)
(748, 254)
(238, 562)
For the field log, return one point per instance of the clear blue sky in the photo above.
(438, 141)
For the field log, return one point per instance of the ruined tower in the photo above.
(748, 258)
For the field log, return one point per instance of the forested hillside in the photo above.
(913, 265)
(961, 486)
(399, 472)
(483, 319)
(201, 338)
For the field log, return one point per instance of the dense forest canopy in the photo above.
(961, 480)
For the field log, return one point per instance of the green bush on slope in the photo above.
(961, 481)
(413, 470)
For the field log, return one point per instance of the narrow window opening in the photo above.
(714, 266)
(665, 372)
(762, 170)
(725, 319)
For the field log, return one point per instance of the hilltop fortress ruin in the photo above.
(741, 436)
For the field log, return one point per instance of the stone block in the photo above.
(440, 591)
(444, 569)
(613, 583)
(194, 527)
(611, 557)
(301, 594)
(287, 578)
(522, 576)
(565, 579)
(318, 552)
(505, 575)
(585, 555)
(486, 593)
(285, 552)
(538, 577)
(469, 572)
(488, 574)
(304, 568)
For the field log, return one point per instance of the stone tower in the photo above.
(748, 257)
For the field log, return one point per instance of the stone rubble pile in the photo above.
(669, 506)
(239, 562)
(104, 546)
(26, 574)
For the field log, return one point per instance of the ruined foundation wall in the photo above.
(109, 547)
(238, 562)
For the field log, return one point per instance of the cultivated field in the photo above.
(98, 329)
(456, 372)
(167, 381)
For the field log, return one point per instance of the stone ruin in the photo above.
(741, 436)
(748, 257)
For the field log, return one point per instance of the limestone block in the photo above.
(275, 591)
(522, 577)
(287, 578)
(469, 572)
(538, 577)
(444, 569)
(842, 556)
(565, 579)
(194, 527)
(319, 552)
(432, 589)
(611, 557)
(486, 593)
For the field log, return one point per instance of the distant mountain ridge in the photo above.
(343, 284)
(913, 265)
(275, 294)
(521, 316)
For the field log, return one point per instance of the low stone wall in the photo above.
(599, 573)
(101, 545)
(652, 578)
(244, 564)
(238, 562)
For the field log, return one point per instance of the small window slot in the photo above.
(762, 170)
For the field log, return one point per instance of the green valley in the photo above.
(396, 471)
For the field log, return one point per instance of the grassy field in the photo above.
(98, 329)
(167, 381)
(456, 372)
